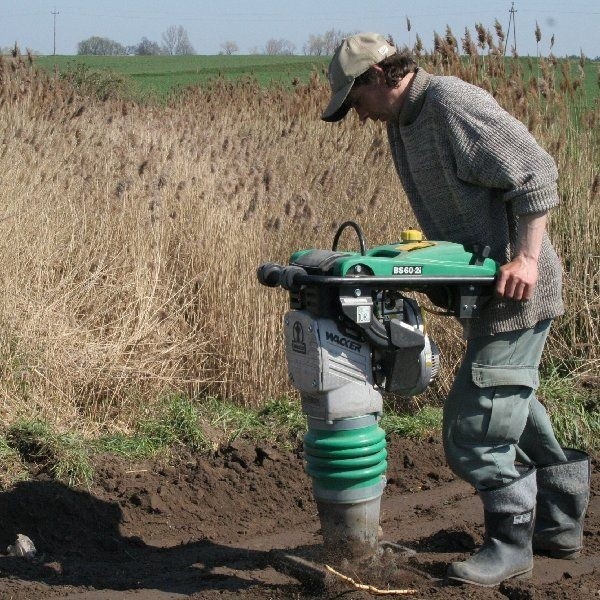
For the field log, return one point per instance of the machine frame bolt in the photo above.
(358, 292)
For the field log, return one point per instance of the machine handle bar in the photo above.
(396, 281)
(292, 277)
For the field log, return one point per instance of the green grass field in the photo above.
(162, 75)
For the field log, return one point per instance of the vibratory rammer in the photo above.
(350, 334)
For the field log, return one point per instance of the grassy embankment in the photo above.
(131, 232)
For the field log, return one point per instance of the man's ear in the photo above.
(380, 73)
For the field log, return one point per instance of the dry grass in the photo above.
(130, 235)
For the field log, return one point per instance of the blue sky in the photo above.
(575, 24)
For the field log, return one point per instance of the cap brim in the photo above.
(338, 108)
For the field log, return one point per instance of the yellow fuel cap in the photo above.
(411, 235)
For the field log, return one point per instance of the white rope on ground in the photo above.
(370, 588)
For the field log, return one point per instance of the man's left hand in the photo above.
(517, 279)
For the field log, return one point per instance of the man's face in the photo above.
(373, 101)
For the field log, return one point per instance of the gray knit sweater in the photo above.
(469, 170)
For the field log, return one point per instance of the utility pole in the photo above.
(512, 19)
(54, 13)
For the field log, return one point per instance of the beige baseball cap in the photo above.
(355, 55)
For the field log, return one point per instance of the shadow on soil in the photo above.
(446, 541)
(79, 543)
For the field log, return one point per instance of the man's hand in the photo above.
(517, 278)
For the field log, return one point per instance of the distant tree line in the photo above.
(324, 44)
(317, 45)
(175, 41)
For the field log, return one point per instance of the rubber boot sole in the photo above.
(523, 575)
(561, 554)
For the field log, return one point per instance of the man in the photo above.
(473, 173)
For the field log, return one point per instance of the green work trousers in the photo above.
(492, 416)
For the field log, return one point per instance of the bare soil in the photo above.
(226, 526)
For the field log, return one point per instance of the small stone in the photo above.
(23, 547)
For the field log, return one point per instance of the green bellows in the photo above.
(347, 459)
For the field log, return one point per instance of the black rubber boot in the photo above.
(563, 495)
(506, 550)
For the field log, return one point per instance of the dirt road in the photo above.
(222, 527)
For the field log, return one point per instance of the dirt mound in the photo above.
(218, 526)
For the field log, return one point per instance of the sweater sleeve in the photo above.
(494, 149)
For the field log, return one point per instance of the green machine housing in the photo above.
(455, 278)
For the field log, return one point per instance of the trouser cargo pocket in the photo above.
(497, 412)
(485, 376)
